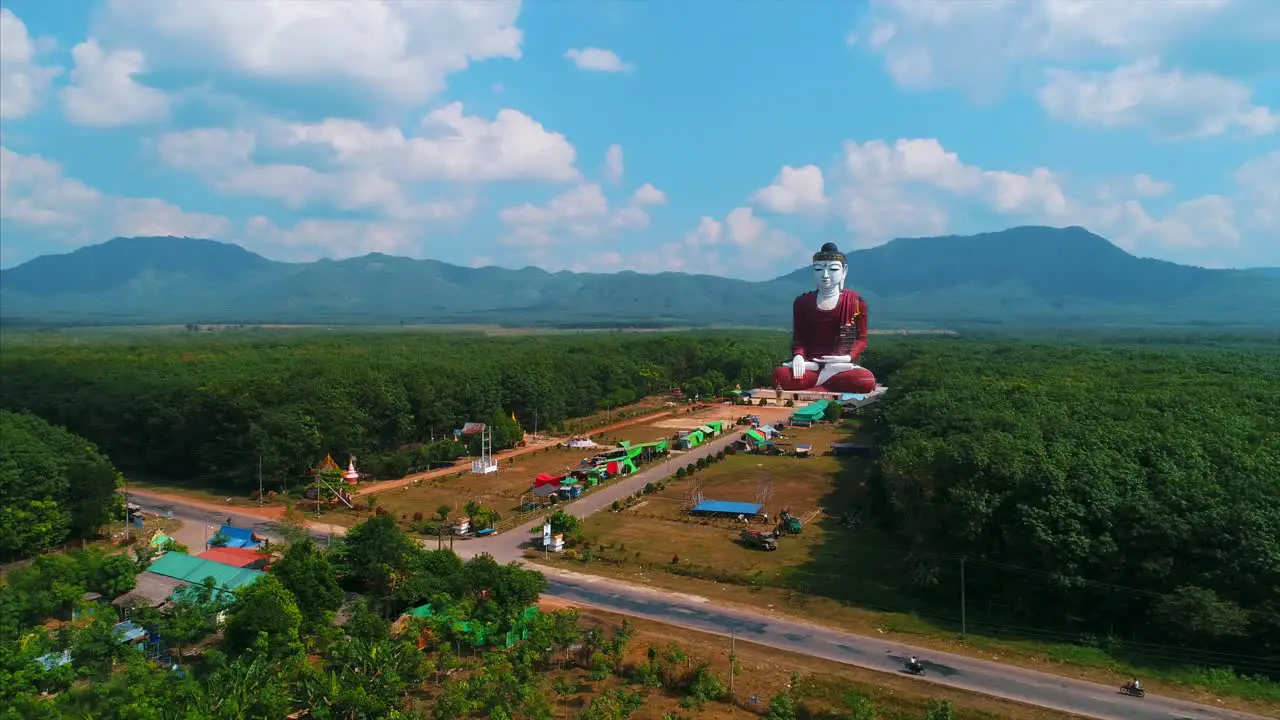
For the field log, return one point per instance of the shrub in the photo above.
(681, 472)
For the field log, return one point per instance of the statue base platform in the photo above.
(775, 396)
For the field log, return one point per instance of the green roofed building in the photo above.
(194, 570)
(810, 413)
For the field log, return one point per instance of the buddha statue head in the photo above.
(829, 269)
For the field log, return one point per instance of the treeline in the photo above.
(206, 407)
(1116, 492)
(54, 486)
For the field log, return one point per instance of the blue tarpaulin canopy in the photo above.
(728, 507)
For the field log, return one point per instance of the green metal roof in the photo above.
(814, 411)
(181, 566)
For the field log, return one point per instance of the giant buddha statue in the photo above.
(829, 332)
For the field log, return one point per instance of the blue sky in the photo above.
(730, 138)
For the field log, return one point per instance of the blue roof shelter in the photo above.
(239, 537)
(727, 507)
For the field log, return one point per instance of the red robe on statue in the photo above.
(839, 331)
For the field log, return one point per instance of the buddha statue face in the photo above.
(828, 276)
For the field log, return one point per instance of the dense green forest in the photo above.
(291, 646)
(208, 407)
(1129, 492)
(54, 486)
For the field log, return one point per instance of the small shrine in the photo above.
(351, 476)
(328, 464)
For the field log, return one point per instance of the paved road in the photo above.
(505, 546)
(198, 520)
(698, 613)
(1042, 689)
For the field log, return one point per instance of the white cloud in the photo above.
(103, 90)
(598, 60)
(580, 213)
(614, 167)
(647, 194)
(743, 245)
(372, 168)
(977, 46)
(314, 239)
(22, 79)
(794, 190)
(453, 147)
(1147, 186)
(36, 195)
(1143, 93)
(401, 51)
(1258, 183)
(883, 191)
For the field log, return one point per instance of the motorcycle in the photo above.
(916, 669)
(1130, 689)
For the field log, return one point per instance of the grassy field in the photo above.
(825, 689)
(655, 542)
(658, 528)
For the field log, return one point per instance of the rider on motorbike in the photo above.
(913, 663)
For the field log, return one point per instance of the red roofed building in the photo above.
(237, 557)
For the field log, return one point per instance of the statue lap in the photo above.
(858, 380)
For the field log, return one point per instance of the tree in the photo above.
(832, 412)
(562, 523)
(193, 615)
(781, 707)
(1199, 615)
(264, 608)
(56, 486)
(375, 552)
(307, 573)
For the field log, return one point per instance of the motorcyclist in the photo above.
(913, 663)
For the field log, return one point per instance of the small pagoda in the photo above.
(328, 464)
(351, 476)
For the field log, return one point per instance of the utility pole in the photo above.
(259, 479)
(963, 623)
(127, 516)
(733, 660)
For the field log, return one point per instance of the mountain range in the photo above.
(1021, 277)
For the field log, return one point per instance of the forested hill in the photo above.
(1022, 277)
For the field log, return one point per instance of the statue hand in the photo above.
(797, 367)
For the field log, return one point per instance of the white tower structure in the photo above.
(485, 464)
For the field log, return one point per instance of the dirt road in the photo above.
(385, 485)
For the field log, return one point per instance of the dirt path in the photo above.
(385, 485)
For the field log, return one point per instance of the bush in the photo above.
(720, 455)
(615, 506)
(690, 469)
(648, 488)
(701, 463)
(763, 402)
(791, 403)
(681, 472)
